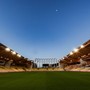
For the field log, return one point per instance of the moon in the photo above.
(57, 10)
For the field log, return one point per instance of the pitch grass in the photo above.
(45, 81)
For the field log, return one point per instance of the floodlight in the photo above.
(13, 52)
(71, 53)
(82, 46)
(18, 55)
(7, 49)
(63, 58)
(76, 50)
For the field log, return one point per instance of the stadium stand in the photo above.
(11, 61)
(78, 59)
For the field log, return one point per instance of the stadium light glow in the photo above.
(76, 50)
(63, 58)
(71, 53)
(13, 52)
(7, 49)
(18, 55)
(82, 46)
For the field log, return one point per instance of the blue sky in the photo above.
(44, 28)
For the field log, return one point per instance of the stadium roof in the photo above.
(77, 53)
(9, 54)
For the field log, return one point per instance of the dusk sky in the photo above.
(44, 28)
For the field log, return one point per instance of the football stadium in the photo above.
(70, 72)
(44, 44)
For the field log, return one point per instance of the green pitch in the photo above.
(45, 81)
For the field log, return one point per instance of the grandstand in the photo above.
(11, 61)
(78, 59)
